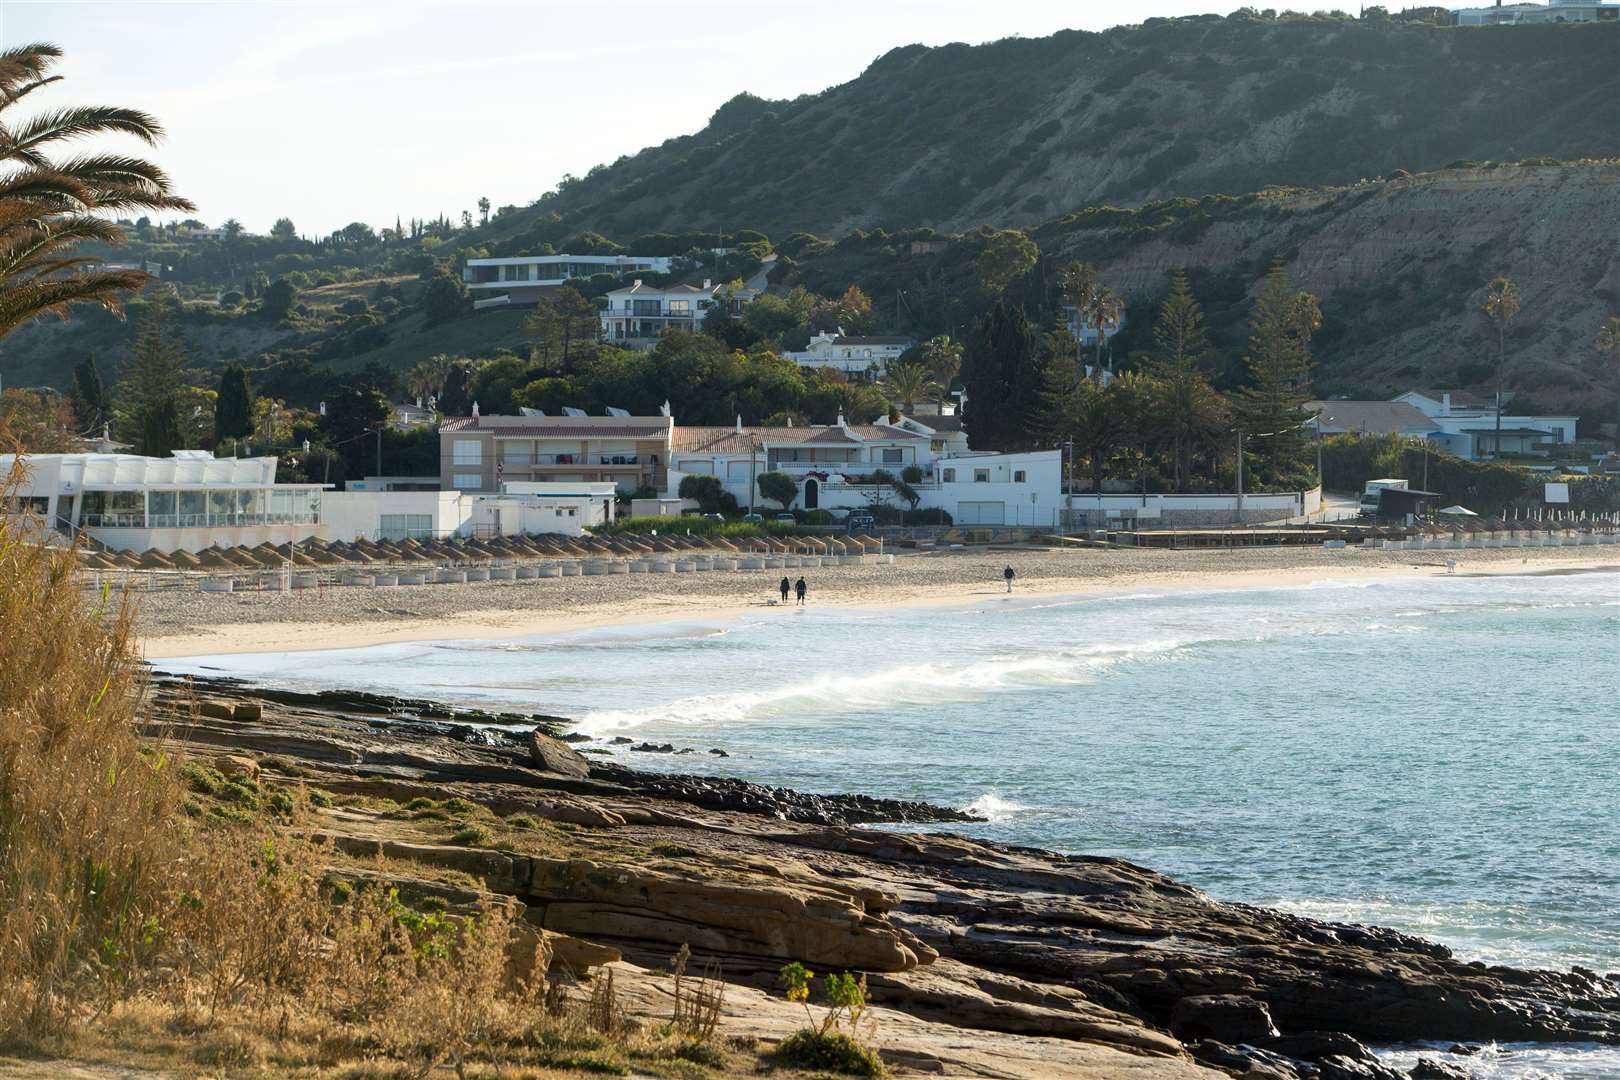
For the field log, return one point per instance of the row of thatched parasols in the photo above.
(336, 553)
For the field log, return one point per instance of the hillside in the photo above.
(1018, 130)
(1400, 266)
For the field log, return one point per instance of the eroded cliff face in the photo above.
(983, 960)
(1401, 268)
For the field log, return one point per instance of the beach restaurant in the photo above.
(188, 502)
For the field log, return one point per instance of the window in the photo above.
(405, 527)
(467, 481)
(467, 452)
(948, 475)
(893, 456)
(1018, 476)
(680, 307)
(981, 476)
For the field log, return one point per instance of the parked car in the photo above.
(860, 520)
(754, 519)
(787, 517)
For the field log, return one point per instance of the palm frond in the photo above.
(33, 299)
(8, 96)
(78, 121)
(25, 63)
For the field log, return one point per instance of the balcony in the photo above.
(592, 460)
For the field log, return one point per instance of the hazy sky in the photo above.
(329, 111)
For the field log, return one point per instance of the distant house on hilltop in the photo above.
(1554, 11)
(857, 357)
(638, 313)
(523, 279)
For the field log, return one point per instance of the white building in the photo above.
(1554, 11)
(858, 357)
(1466, 424)
(637, 314)
(833, 468)
(1085, 333)
(188, 502)
(1456, 421)
(518, 509)
(521, 279)
(483, 453)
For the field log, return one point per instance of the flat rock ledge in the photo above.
(983, 960)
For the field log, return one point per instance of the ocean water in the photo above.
(1437, 754)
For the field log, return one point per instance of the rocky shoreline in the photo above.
(983, 959)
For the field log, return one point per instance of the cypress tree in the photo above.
(455, 399)
(233, 410)
(90, 405)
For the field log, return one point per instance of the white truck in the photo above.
(1369, 497)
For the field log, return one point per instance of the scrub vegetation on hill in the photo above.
(1016, 131)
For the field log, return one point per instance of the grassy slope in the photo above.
(476, 335)
(1015, 131)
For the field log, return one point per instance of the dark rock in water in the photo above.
(574, 737)
(1462, 1049)
(685, 750)
(1430, 1069)
(1226, 1017)
(723, 793)
(555, 756)
(1343, 1068)
(620, 740)
(649, 748)
(1315, 1045)
(717, 752)
(1245, 1061)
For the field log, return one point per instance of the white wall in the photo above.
(195, 540)
(352, 515)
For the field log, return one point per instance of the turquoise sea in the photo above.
(1437, 754)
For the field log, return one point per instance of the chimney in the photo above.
(739, 423)
(636, 284)
(475, 409)
(841, 422)
(1445, 398)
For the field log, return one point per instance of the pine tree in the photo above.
(1179, 338)
(1270, 407)
(233, 409)
(91, 408)
(148, 415)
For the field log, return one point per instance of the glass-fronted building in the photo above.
(190, 501)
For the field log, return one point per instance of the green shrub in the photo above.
(832, 1050)
(472, 834)
(282, 803)
(818, 517)
(202, 779)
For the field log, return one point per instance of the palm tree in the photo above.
(1608, 343)
(906, 383)
(1501, 304)
(942, 357)
(49, 206)
(426, 377)
(1103, 310)
(1078, 284)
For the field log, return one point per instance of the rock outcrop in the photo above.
(982, 959)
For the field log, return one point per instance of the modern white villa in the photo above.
(1554, 11)
(860, 358)
(521, 279)
(189, 502)
(1457, 421)
(637, 314)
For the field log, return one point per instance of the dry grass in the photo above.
(155, 910)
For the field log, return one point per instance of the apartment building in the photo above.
(484, 453)
(635, 316)
(860, 358)
(522, 279)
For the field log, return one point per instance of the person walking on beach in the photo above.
(799, 588)
(785, 587)
(1009, 575)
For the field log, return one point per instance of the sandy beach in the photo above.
(190, 623)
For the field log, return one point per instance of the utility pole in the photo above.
(1240, 475)
(379, 451)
